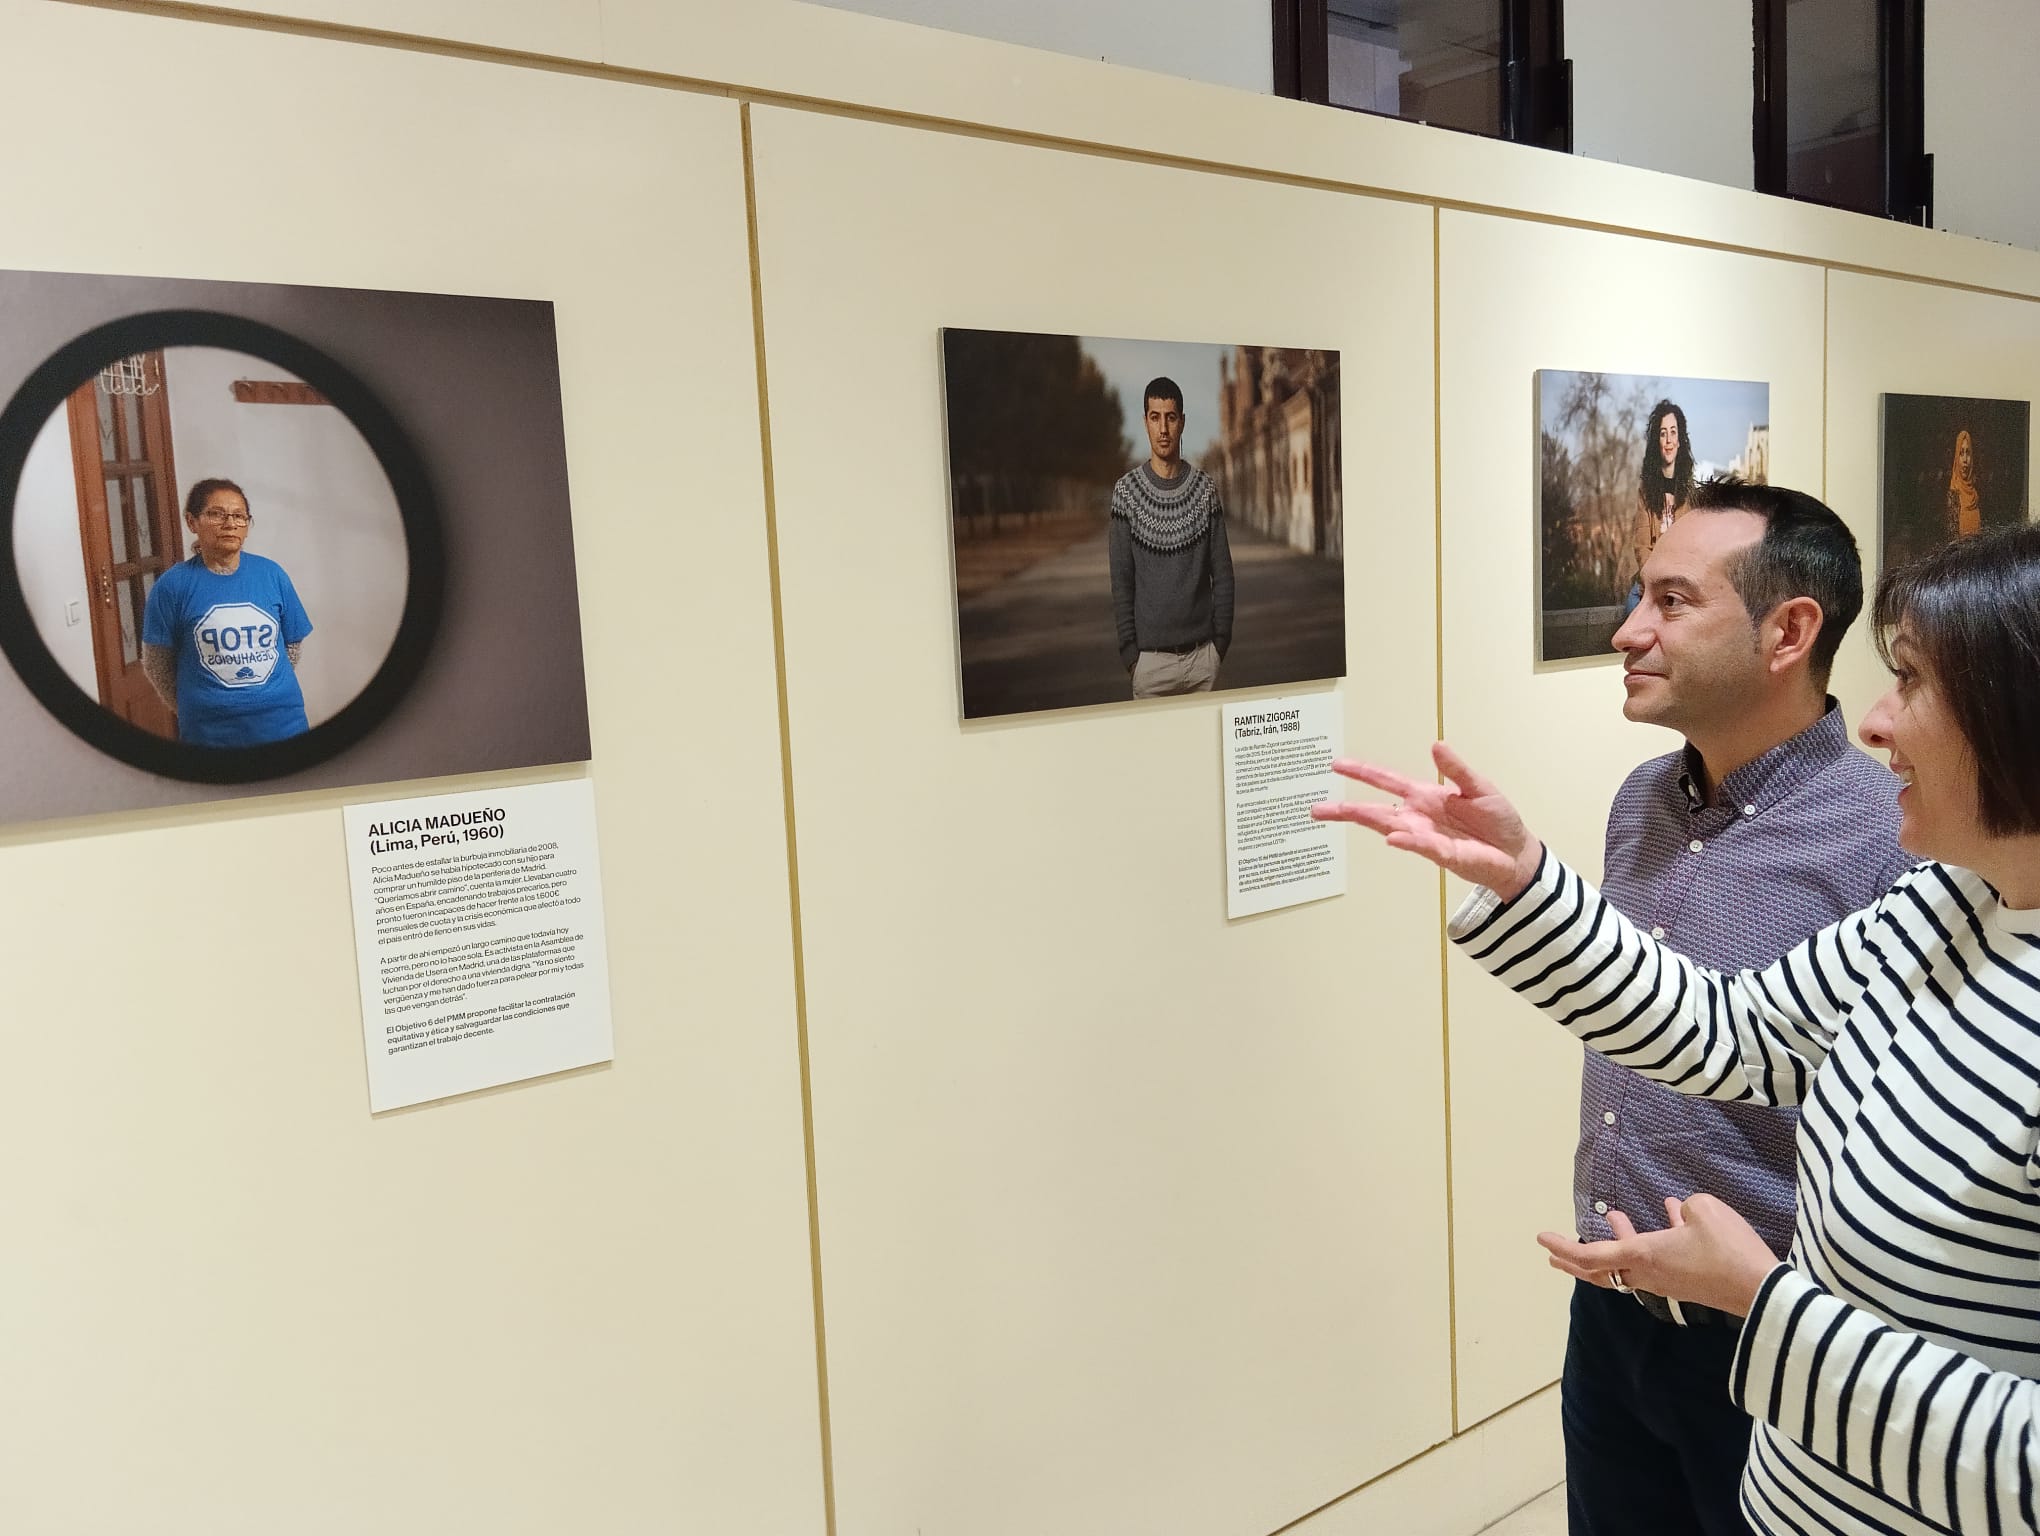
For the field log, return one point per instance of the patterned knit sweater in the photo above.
(1890, 1364)
(1172, 577)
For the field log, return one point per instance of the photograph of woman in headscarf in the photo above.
(1953, 467)
(1965, 511)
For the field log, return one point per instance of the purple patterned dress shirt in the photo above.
(1804, 835)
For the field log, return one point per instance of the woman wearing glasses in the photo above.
(222, 632)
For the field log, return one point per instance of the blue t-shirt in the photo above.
(235, 684)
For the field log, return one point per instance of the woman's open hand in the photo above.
(1465, 826)
(1708, 1254)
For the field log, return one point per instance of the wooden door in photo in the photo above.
(127, 526)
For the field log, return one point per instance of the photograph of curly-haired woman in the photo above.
(1618, 457)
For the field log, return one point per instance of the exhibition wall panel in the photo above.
(559, 29)
(1464, 1486)
(234, 1301)
(1514, 298)
(1886, 336)
(1130, 1218)
(789, 50)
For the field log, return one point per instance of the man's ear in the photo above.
(1791, 630)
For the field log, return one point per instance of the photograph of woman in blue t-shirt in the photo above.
(223, 631)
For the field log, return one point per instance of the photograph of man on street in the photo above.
(1134, 519)
(1172, 577)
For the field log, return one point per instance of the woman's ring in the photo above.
(1615, 1279)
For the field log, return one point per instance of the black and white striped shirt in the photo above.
(1890, 1362)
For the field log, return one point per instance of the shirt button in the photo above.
(1657, 933)
(1749, 810)
(1696, 845)
(1601, 1207)
(1607, 1117)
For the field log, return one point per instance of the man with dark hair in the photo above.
(1798, 556)
(1745, 602)
(1172, 578)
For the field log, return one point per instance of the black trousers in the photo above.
(1653, 1446)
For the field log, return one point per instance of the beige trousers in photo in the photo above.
(1158, 673)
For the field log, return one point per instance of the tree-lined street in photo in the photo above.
(1043, 638)
(1041, 427)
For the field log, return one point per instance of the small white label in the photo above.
(1278, 764)
(478, 933)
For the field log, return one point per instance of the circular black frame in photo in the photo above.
(44, 393)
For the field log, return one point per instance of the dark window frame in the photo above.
(1536, 76)
(1908, 170)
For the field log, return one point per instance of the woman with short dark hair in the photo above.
(222, 631)
(1890, 1361)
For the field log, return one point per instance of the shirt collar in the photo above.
(1769, 778)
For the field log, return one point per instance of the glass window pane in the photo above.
(116, 522)
(1432, 61)
(107, 448)
(129, 653)
(148, 586)
(145, 540)
(1834, 118)
(131, 427)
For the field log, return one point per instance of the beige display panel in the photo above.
(560, 29)
(821, 53)
(235, 1303)
(1131, 1219)
(1518, 297)
(1888, 336)
(800, 51)
(1464, 1486)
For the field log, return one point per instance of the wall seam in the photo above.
(1410, 1461)
(1438, 734)
(1826, 281)
(929, 122)
(800, 1000)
